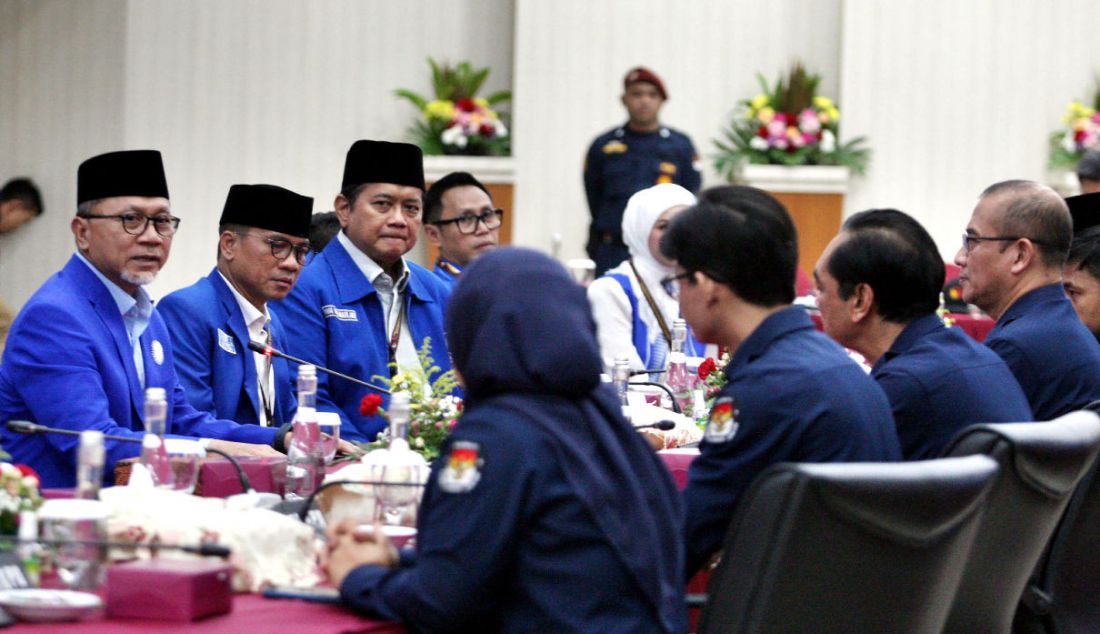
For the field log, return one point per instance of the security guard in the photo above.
(547, 511)
(630, 158)
(793, 395)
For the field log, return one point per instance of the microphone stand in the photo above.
(27, 427)
(256, 346)
(205, 550)
(661, 425)
(675, 406)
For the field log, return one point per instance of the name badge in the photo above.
(343, 314)
(225, 342)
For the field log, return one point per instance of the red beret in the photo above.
(641, 73)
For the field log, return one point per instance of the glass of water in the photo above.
(72, 524)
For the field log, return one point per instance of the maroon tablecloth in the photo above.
(252, 614)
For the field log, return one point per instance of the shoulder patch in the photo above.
(343, 314)
(722, 426)
(614, 147)
(225, 342)
(463, 470)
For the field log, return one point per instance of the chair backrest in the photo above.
(850, 547)
(1062, 594)
(1041, 465)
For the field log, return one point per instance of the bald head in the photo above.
(1030, 210)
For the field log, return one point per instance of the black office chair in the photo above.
(856, 547)
(1041, 464)
(1061, 596)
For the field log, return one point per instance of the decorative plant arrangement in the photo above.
(1080, 132)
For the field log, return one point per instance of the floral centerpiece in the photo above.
(788, 124)
(712, 374)
(457, 121)
(1080, 133)
(18, 492)
(433, 411)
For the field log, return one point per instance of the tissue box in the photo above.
(169, 589)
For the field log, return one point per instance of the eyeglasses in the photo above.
(970, 241)
(467, 223)
(668, 279)
(136, 224)
(281, 249)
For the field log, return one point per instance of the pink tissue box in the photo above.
(169, 589)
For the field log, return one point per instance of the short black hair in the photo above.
(23, 189)
(1084, 251)
(741, 237)
(1035, 212)
(893, 254)
(1088, 168)
(323, 227)
(433, 200)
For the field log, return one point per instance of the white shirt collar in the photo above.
(253, 317)
(125, 301)
(370, 269)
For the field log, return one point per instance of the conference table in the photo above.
(255, 613)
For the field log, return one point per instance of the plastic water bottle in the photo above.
(305, 465)
(620, 378)
(89, 465)
(679, 378)
(154, 453)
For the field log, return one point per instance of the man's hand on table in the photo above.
(244, 449)
(342, 446)
(349, 546)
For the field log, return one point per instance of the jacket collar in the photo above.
(776, 326)
(352, 285)
(911, 334)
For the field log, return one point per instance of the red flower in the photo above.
(370, 404)
(487, 129)
(706, 367)
(466, 105)
(27, 471)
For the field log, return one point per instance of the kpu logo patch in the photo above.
(462, 472)
(722, 426)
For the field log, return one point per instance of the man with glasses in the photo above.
(793, 395)
(262, 247)
(361, 308)
(1012, 257)
(88, 342)
(460, 220)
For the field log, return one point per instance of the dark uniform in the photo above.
(939, 381)
(1051, 353)
(621, 163)
(547, 512)
(793, 396)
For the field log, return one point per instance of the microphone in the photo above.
(202, 549)
(648, 371)
(675, 406)
(662, 425)
(29, 428)
(256, 346)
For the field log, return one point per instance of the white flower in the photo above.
(30, 482)
(8, 469)
(1068, 143)
(419, 442)
(828, 142)
(454, 136)
(758, 143)
(501, 129)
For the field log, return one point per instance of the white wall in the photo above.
(958, 95)
(571, 56)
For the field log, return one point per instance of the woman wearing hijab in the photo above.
(546, 511)
(634, 311)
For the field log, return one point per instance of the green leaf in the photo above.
(420, 102)
(499, 96)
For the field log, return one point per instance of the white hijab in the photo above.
(642, 211)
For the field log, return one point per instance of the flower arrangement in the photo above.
(788, 124)
(18, 492)
(457, 121)
(1080, 132)
(713, 376)
(433, 411)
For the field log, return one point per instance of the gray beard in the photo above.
(138, 279)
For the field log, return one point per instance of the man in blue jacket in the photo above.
(1012, 257)
(262, 248)
(361, 308)
(460, 220)
(793, 394)
(88, 342)
(878, 288)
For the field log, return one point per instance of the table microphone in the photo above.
(675, 406)
(27, 427)
(202, 549)
(662, 425)
(256, 346)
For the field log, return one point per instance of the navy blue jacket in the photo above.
(1051, 353)
(214, 364)
(334, 319)
(621, 162)
(795, 396)
(444, 274)
(939, 381)
(69, 363)
(547, 512)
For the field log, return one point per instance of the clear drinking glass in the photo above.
(329, 424)
(80, 566)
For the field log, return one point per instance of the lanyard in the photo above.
(265, 398)
(395, 336)
(653, 305)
